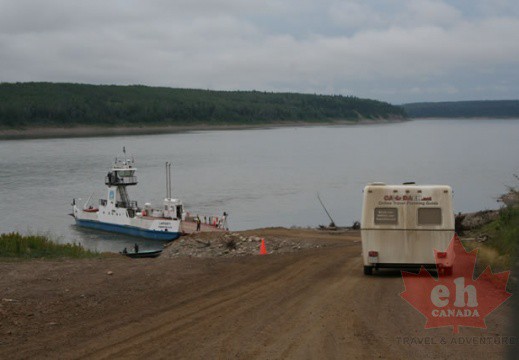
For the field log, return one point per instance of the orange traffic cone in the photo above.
(263, 248)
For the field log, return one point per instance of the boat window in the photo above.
(386, 216)
(125, 173)
(429, 216)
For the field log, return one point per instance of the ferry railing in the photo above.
(131, 205)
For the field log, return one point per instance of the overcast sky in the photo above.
(393, 50)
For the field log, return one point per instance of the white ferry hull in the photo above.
(119, 222)
(130, 230)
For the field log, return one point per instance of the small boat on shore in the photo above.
(142, 254)
(118, 213)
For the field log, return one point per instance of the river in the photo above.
(261, 177)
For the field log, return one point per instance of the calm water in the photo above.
(266, 177)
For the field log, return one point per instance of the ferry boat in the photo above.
(118, 213)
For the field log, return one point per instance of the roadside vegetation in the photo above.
(14, 245)
(506, 231)
(24, 105)
(500, 246)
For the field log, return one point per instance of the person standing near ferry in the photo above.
(198, 223)
(223, 221)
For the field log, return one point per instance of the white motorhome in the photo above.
(402, 225)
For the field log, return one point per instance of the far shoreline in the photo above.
(95, 131)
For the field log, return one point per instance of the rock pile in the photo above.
(232, 244)
(475, 220)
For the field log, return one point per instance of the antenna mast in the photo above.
(168, 180)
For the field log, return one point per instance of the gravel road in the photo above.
(312, 303)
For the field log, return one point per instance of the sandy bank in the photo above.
(89, 131)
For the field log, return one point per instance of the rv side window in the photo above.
(429, 216)
(386, 216)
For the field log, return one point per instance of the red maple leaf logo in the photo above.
(455, 298)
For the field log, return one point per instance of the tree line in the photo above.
(66, 104)
(467, 109)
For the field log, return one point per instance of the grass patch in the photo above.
(503, 233)
(507, 231)
(14, 245)
(488, 256)
(501, 250)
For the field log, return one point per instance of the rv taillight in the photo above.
(441, 254)
(373, 253)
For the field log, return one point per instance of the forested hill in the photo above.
(468, 109)
(61, 104)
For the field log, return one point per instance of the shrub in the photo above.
(38, 246)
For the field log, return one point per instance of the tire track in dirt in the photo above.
(310, 304)
(248, 296)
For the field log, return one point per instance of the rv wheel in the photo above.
(368, 270)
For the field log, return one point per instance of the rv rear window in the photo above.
(429, 216)
(386, 216)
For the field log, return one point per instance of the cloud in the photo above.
(431, 12)
(354, 15)
(395, 50)
(362, 15)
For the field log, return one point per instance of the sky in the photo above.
(398, 51)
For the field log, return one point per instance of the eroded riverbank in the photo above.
(90, 131)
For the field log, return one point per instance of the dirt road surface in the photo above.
(310, 304)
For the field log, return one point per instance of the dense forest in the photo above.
(63, 104)
(467, 109)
